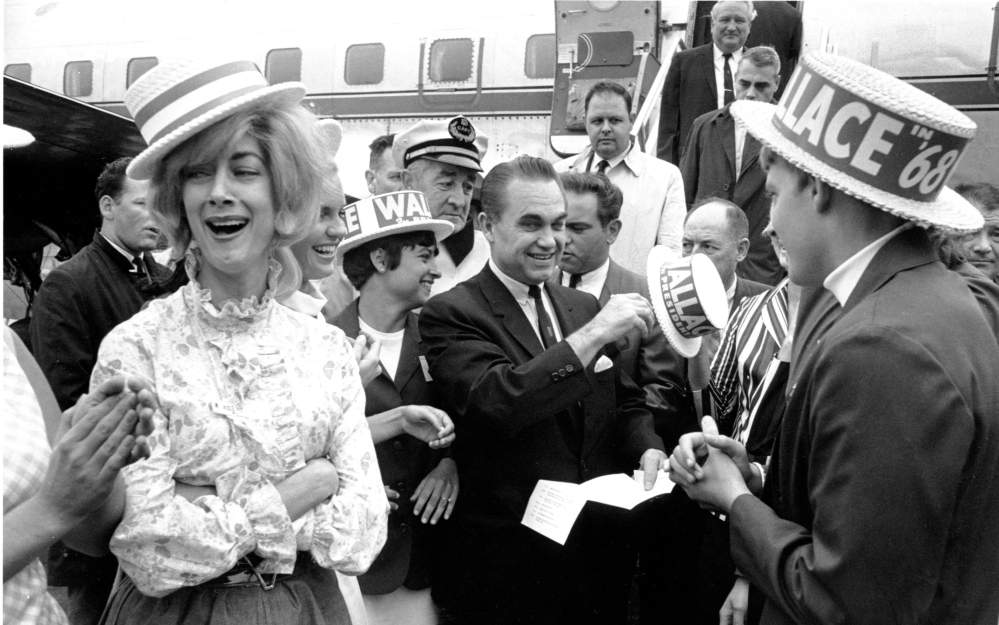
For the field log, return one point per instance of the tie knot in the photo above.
(574, 280)
(137, 266)
(602, 167)
(535, 292)
(726, 55)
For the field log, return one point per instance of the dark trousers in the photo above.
(88, 582)
(517, 576)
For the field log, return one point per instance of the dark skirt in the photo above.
(310, 598)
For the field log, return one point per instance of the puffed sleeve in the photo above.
(349, 531)
(165, 542)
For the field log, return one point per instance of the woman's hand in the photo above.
(437, 493)
(146, 405)
(392, 495)
(366, 353)
(308, 487)
(733, 611)
(428, 424)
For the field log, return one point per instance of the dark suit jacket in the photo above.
(778, 25)
(688, 93)
(514, 405)
(404, 461)
(885, 475)
(78, 304)
(651, 363)
(708, 170)
(746, 288)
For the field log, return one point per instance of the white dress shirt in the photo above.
(843, 280)
(519, 290)
(592, 282)
(720, 71)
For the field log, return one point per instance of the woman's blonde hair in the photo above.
(294, 153)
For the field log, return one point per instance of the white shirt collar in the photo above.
(613, 162)
(129, 256)
(720, 58)
(308, 303)
(592, 282)
(730, 292)
(843, 280)
(517, 289)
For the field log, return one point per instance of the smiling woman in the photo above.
(261, 472)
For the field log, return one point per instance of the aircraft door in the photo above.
(598, 41)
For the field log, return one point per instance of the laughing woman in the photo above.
(262, 476)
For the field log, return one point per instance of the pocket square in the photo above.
(603, 363)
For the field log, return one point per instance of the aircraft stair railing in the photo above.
(646, 126)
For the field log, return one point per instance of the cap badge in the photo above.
(461, 129)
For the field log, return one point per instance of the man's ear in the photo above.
(107, 204)
(613, 229)
(486, 226)
(408, 178)
(742, 250)
(369, 176)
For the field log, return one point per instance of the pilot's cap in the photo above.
(453, 141)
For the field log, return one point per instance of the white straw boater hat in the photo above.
(871, 136)
(454, 141)
(333, 132)
(389, 213)
(688, 297)
(177, 99)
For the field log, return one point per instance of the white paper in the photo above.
(553, 509)
(555, 506)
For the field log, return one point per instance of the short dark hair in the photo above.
(738, 223)
(357, 265)
(982, 193)
(111, 182)
(526, 168)
(609, 196)
(378, 147)
(607, 86)
(769, 158)
(762, 56)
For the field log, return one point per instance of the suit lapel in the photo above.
(349, 320)
(905, 250)
(708, 70)
(750, 153)
(504, 305)
(409, 356)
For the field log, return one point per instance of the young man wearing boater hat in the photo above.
(883, 489)
(441, 159)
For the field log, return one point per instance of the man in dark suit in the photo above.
(722, 160)
(701, 79)
(524, 374)
(881, 497)
(79, 303)
(777, 24)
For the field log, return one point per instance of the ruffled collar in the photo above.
(248, 310)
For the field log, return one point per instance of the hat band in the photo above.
(864, 140)
(441, 146)
(372, 214)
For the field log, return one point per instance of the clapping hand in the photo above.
(429, 424)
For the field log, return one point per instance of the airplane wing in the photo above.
(51, 181)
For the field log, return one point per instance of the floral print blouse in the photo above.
(248, 394)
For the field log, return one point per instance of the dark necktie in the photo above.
(602, 167)
(545, 327)
(574, 280)
(137, 267)
(729, 91)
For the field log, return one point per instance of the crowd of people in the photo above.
(335, 410)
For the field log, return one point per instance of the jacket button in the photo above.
(727, 185)
(561, 372)
(570, 368)
(555, 376)
(397, 444)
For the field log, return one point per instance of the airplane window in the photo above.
(451, 60)
(539, 62)
(283, 65)
(21, 71)
(138, 67)
(78, 79)
(365, 64)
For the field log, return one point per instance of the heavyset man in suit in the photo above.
(524, 374)
(722, 160)
(700, 80)
(883, 488)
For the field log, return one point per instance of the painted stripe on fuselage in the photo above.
(491, 103)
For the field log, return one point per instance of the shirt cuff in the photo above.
(266, 513)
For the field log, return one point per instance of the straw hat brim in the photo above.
(949, 211)
(441, 229)
(144, 165)
(659, 256)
